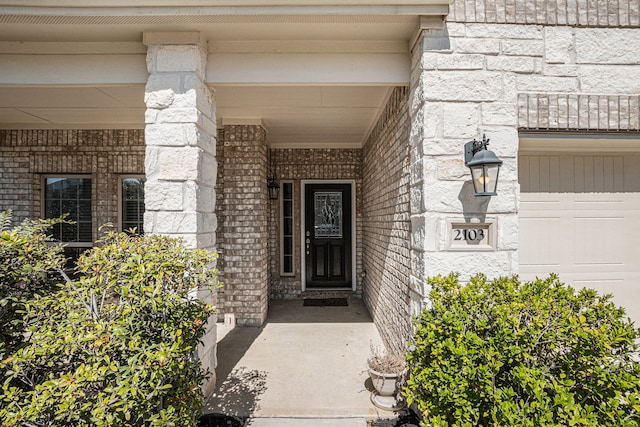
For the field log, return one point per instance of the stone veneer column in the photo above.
(455, 99)
(180, 157)
(246, 235)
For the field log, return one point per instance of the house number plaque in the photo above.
(471, 236)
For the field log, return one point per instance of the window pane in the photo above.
(133, 204)
(288, 264)
(52, 209)
(69, 207)
(132, 188)
(287, 191)
(287, 227)
(70, 188)
(286, 238)
(84, 232)
(70, 196)
(56, 231)
(287, 210)
(54, 185)
(288, 245)
(69, 233)
(84, 210)
(328, 214)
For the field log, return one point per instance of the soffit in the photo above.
(305, 116)
(69, 107)
(336, 114)
(100, 4)
(213, 28)
(293, 116)
(216, 20)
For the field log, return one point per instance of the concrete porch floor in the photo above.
(305, 366)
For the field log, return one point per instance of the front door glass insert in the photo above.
(328, 214)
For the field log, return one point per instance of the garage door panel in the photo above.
(587, 230)
(537, 200)
(631, 174)
(539, 203)
(543, 173)
(615, 181)
(596, 200)
(538, 233)
(624, 293)
(597, 241)
(596, 174)
(584, 277)
(573, 202)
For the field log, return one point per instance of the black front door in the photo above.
(328, 235)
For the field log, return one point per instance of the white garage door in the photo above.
(580, 218)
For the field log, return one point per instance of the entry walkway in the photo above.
(306, 366)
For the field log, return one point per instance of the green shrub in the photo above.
(117, 347)
(505, 353)
(26, 263)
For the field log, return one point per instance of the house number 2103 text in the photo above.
(468, 234)
(464, 236)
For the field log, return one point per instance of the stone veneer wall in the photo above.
(242, 211)
(490, 69)
(385, 211)
(296, 165)
(28, 155)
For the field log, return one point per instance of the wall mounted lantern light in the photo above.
(273, 187)
(484, 166)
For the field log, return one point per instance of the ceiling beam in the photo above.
(66, 69)
(387, 69)
(140, 8)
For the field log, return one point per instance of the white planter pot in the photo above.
(385, 384)
(386, 389)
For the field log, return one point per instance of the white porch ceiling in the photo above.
(294, 116)
(338, 107)
(69, 107)
(305, 115)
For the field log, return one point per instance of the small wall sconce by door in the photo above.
(273, 187)
(484, 166)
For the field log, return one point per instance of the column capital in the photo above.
(431, 27)
(150, 38)
(176, 52)
(432, 22)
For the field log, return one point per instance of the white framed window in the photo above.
(286, 230)
(132, 204)
(70, 195)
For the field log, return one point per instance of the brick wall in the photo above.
(592, 13)
(221, 216)
(386, 231)
(242, 212)
(27, 155)
(297, 165)
(578, 112)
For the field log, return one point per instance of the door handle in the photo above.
(308, 243)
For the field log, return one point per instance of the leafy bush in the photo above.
(26, 263)
(505, 353)
(117, 347)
